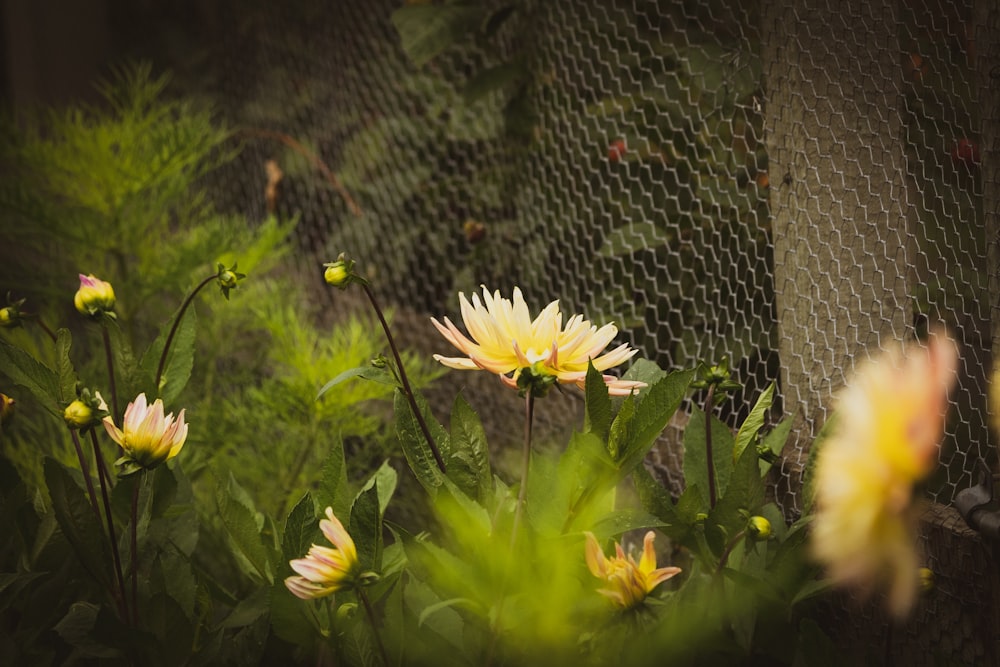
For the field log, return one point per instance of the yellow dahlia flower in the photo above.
(889, 423)
(628, 583)
(506, 341)
(325, 570)
(148, 438)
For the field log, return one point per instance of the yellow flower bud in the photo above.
(9, 317)
(78, 414)
(336, 274)
(759, 528)
(95, 296)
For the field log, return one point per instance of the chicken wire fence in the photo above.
(787, 183)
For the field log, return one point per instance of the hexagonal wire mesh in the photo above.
(787, 183)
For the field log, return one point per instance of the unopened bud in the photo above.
(759, 528)
(336, 274)
(346, 611)
(10, 317)
(228, 279)
(78, 415)
(94, 297)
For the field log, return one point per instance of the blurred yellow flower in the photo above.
(325, 570)
(628, 583)
(148, 438)
(889, 423)
(94, 296)
(506, 341)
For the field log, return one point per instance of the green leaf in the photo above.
(366, 528)
(644, 370)
(385, 477)
(657, 405)
(428, 30)
(469, 454)
(652, 496)
(598, 404)
(77, 629)
(622, 521)
(415, 448)
(333, 489)
(774, 442)
(180, 356)
(621, 428)
(239, 518)
(64, 367)
(744, 495)
(301, 529)
(78, 522)
(290, 617)
(753, 423)
(809, 474)
(25, 371)
(695, 454)
(373, 373)
(133, 379)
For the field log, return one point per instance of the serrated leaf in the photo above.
(290, 618)
(333, 489)
(644, 370)
(415, 448)
(744, 494)
(598, 404)
(300, 530)
(654, 498)
(621, 521)
(380, 375)
(428, 30)
(656, 405)
(385, 477)
(241, 524)
(180, 356)
(77, 521)
(469, 454)
(366, 528)
(25, 371)
(753, 423)
(775, 441)
(696, 456)
(64, 367)
(133, 379)
(76, 629)
(620, 435)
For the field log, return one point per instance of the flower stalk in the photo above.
(371, 620)
(104, 481)
(176, 324)
(522, 494)
(407, 390)
(111, 367)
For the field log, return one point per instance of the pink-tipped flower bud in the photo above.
(94, 297)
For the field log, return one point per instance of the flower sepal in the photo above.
(228, 279)
(341, 273)
(127, 466)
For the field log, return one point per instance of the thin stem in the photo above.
(522, 494)
(403, 379)
(134, 546)
(45, 328)
(111, 370)
(102, 477)
(176, 324)
(85, 469)
(708, 445)
(724, 558)
(299, 464)
(371, 619)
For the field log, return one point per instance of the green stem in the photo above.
(371, 619)
(111, 371)
(102, 478)
(134, 546)
(724, 558)
(47, 330)
(300, 461)
(407, 391)
(708, 445)
(176, 324)
(85, 469)
(522, 494)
